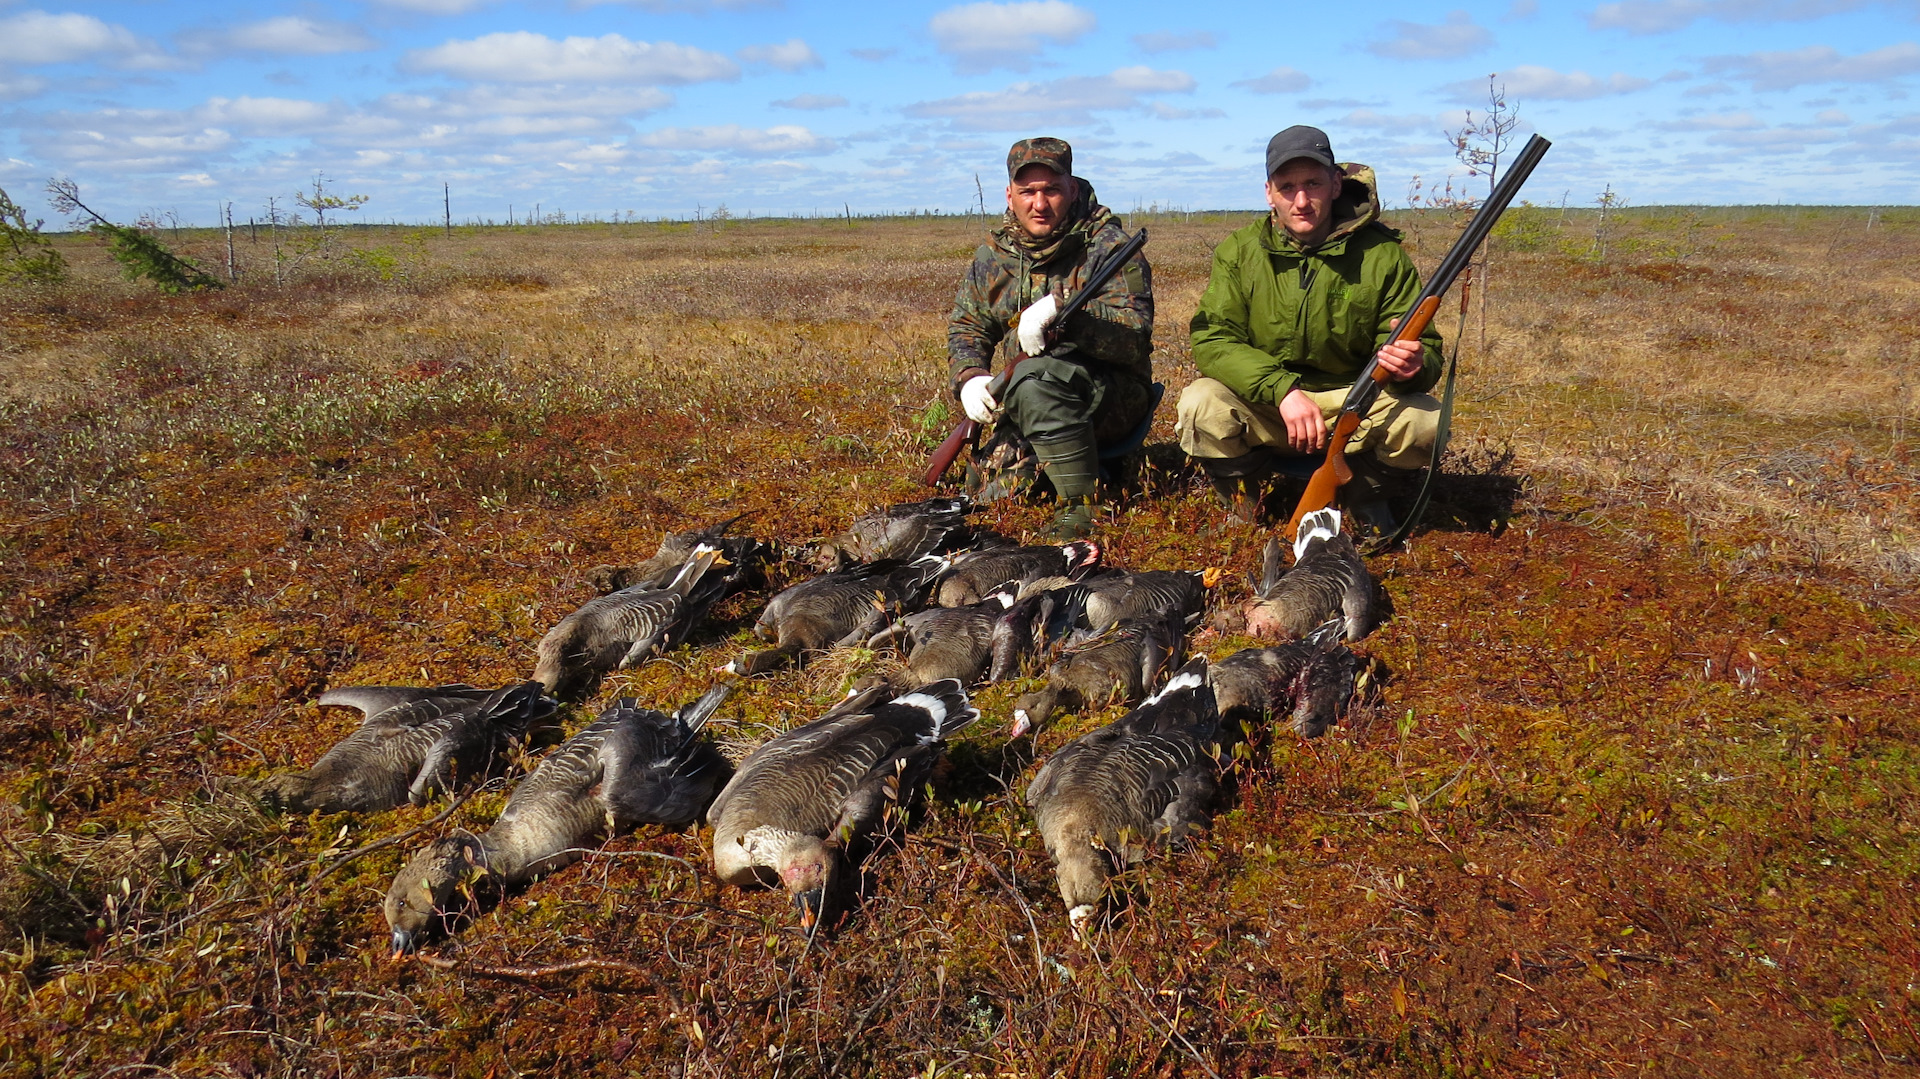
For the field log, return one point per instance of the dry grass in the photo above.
(1636, 794)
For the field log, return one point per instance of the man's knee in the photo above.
(1047, 402)
(1410, 428)
(1210, 420)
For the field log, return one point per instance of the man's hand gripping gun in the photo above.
(1329, 477)
(964, 434)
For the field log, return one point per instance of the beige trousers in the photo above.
(1399, 430)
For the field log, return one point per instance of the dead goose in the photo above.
(947, 642)
(1328, 580)
(1118, 665)
(907, 530)
(1055, 612)
(1145, 779)
(976, 574)
(413, 743)
(660, 570)
(795, 802)
(630, 766)
(1310, 681)
(628, 626)
(841, 608)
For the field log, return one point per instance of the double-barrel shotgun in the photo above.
(1102, 272)
(1335, 471)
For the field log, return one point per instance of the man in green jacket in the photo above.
(1086, 383)
(1295, 306)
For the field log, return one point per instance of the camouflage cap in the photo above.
(1053, 153)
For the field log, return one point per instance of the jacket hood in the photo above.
(1356, 207)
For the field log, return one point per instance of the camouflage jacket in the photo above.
(1276, 316)
(1114, 329)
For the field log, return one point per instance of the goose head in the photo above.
(427, 892)
(1031, 710)
(1082, 876)
(804, 864)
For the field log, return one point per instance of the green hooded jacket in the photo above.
(1276, 317)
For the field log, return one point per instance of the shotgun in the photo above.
(1097, 279)
(1328, 478)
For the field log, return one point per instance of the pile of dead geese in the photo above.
(961, 606)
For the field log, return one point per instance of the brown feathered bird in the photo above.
(1145, 780)
(1309, 682)
(1118, 665)
(1328, 580)
(630, 766)
(413, 744)
(906, 531)
(627, 627)
(794, 803)
(841, 608)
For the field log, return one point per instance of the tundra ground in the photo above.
(1633, 787)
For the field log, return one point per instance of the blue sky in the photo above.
(661, 106)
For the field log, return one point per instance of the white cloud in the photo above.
(1160, 41)
(268, 115)
(1281, 80)
(16, 87)
(984, 36)
(781, 140)
(1719, 121)
(1663, 16)
(1817, 64)
(195, 179)
(433, 7)
(1068, 102)
(37, 37)
(872, 56)
(288, 35)
(811, 102)
(1530, 81)
(791, 55)
(526, 57)
(1377, 121)
(1457, 37)
(667, 6)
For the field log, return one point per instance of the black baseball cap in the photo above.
(1298, 141)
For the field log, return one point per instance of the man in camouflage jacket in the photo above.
(1295, 306)
(1085, 383)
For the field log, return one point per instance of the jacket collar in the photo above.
(1356, 207)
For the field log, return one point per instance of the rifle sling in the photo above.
(1419, 507)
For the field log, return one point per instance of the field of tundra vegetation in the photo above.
(1633, 787)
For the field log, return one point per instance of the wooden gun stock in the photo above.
(944, 455)
(1335, 471)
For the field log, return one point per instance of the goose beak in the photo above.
(402, 945)
(810, 904)
(1022, 723)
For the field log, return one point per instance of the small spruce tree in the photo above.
(26, 257)
(138, 254)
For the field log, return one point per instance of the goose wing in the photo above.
(403, 706)
(468, 743)
(655, 767)
(803, 780)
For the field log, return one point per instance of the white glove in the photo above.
(977, 400)
(1034, 322)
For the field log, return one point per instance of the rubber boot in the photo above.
(1071, 462)
(1237, 483)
